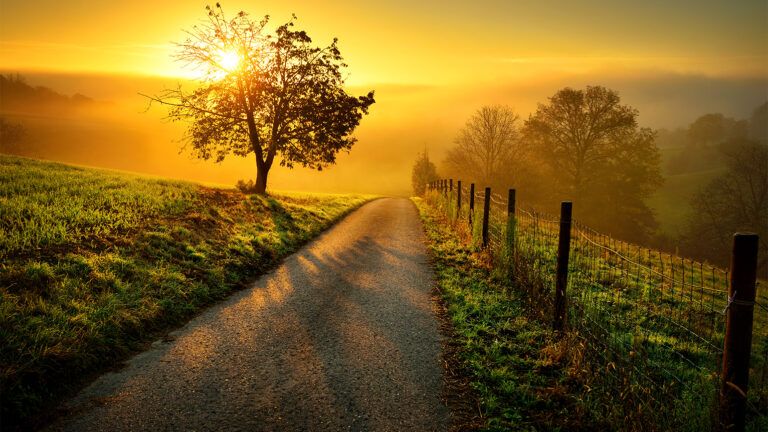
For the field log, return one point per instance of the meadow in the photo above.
(645, 329)
(94, 264)
(671, 203)
(519, 371)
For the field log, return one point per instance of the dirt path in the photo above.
(341, 336)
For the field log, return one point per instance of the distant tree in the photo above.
(18, 95)
(488, 150)
(713, 129)
(758, 124)
(594, 151)
(424, 172)
(736, 201)
(11, 136)
(704, 136)
(273, 95)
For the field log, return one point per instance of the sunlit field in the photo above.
(647, 325)
(93, 263)
(256, 216)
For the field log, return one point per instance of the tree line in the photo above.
(586, 146)
(737, 198)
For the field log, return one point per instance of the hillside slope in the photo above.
(95, 263)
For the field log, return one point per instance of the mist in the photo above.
(119, 130)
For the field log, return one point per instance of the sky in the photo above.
(407, 42)
(432, 63)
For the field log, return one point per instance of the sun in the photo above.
(229, 60)
(223, 63)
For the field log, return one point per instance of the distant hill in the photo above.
(17, 94)
(40, 122)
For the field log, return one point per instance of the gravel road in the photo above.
(341, 336)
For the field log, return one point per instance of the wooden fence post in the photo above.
(486, 214)
(458, 198)
(737, 346)
(563, 253)
(450, 182)
(511, 222)
(471, 205)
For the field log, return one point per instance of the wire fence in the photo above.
(652, 323)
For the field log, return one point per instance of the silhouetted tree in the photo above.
(266, 94)
(17, 93)
(592, 148)
(424, 172)
(736, 201)
(488, 149)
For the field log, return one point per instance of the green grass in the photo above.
(523, 376)
(672, 201)
(656, 332)
(95, 263)
(649, 345)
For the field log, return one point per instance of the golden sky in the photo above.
(432, 64)
(410, 42)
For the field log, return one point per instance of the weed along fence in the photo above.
(671, 344)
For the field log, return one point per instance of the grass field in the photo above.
(522, 375)
(671, 202)
(646, 334)
(95, 263)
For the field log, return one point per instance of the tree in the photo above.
(736, 201)
(488, 149)
(266, 94)
(713, 129)
(424, 172)
(592, 148)
(703, 136)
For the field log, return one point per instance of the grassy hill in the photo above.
(672, 201)
(95, 263)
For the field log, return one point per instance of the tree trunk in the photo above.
(261, 179)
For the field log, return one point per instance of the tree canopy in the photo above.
(591, 147)
(735, 201)
(488, 149)
(270, 94)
